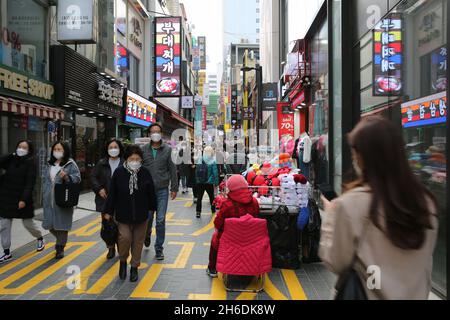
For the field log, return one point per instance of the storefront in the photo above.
(403, 76)
(94, 104)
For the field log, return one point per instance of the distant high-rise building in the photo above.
(213, 84)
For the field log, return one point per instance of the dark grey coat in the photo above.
(162, 169)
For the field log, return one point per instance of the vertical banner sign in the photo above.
(285, 121)
(167, 56)
(270, 96)
(202, 52)
(439, 70)
(234, 107)
(204, 117)
(427, 111)
(388, 56)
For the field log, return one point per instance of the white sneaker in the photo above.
(5, 257)
(40, 245)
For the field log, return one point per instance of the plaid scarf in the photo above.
(133, 184)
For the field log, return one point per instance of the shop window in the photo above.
(133, 79)
(23, 34)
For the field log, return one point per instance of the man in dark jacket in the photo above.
(16, 196)
(158, 160)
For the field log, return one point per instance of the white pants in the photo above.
(6, 226)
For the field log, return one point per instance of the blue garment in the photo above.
(162, 201)
(304, 167)
(55, 217)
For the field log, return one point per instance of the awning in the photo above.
(30, 109)
(173, 113)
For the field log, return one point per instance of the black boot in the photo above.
(134, 274)
(111, 253)
(123, 270)
(59, 252)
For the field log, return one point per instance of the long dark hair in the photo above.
(30, 148)
(66, 157)
(119, 143)
(397, 193)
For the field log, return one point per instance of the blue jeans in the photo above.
(162, 200)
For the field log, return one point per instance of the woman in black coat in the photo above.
(100, 181)
(131, 197)
(16, 195)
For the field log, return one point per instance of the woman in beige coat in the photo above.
(385, 226)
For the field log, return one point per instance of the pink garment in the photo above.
(244, 247)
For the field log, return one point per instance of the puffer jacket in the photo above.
(238, 204)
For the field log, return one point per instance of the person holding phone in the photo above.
(387, 219)
(61, 168)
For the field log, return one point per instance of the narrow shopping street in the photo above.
(180, 276)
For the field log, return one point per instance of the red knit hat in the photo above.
(259, 181)
(236, 182)
(299, 178)
(250, 177)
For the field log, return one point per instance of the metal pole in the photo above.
(259, 122)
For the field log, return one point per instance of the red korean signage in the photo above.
(431, 110)
(168, 56)
(299, 99)
(285, 121)
(204, 111)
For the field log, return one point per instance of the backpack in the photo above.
(311, 234)
(201, 173)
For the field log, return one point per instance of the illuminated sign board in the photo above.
(168, 56)
(139, 111)
(427, 111)
(388, 56)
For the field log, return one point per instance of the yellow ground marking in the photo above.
(170, 234)
(218, 291)
(25, 287)
(143, 290)
(23, 259)
(206, 244)
(181, 199)
(85, 275)
(188, 204)
(170, 221)
(106, 279)
(146, 284)
(246, 296)
(273, 291)
(88, 230)
(293, 285)
(143, 266)
(199, 267)
(205, 229)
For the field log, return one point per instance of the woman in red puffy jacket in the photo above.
(239, 203)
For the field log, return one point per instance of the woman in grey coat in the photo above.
(56, 219)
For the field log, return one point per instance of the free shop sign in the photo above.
(22, 85)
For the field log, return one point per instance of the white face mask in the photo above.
(114, 153)
(156, 137)
(58, 155)
(357, 168)
(21, 152)
(134, 165)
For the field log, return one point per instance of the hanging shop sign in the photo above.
(270, 96)
(285, 121)
(439, 79)
(196, 58)
(19, 84)
(187, 102)
(168, 59)
(202, 52)
(135, 33)
(77, 21)
(427, 111)
(234, 108)
(298, 100)
(388, 56)
(139, 111)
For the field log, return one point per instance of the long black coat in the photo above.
(17, 185)
(101, 179)
(135, 208)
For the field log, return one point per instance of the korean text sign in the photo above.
(388, 56)
(168, 56)
(139, 110)
(430, 110)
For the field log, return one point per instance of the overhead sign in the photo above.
(388, 56)
(187, 102)
(270, 96)
(139, 111)
(168, 56)
(77, 21)
(430, 110)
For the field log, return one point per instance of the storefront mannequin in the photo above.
(303, 153)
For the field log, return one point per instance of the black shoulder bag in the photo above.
(67, 194)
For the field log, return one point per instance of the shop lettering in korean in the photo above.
(136, 34)
(431, 110)
(108, 93)
(234, 108)
(388, 56)
(140, 111)
(23, 85)
(168, 59)
(439, 79)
